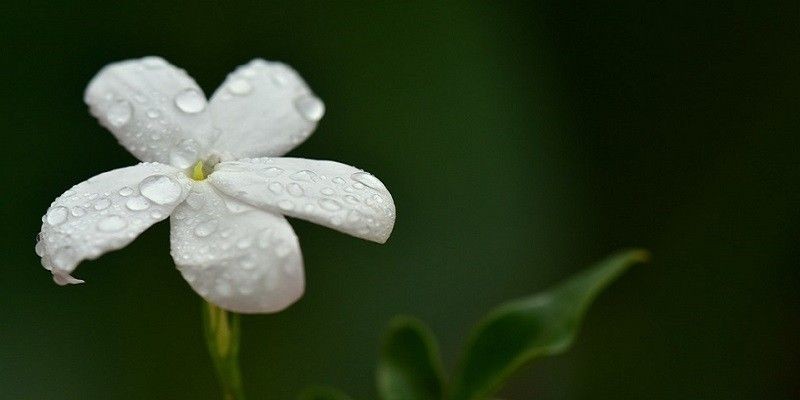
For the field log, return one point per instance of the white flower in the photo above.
(209, 166)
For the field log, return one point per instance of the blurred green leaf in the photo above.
(409, 367)
(322, 393)
(521, 330)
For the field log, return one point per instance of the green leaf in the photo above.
(409, 367)
(322, 393)
(521, 330)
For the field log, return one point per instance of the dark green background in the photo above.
(521, 142)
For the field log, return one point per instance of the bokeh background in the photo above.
(521, 142)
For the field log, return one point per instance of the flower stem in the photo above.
(222, 337)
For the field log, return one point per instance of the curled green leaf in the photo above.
(409, 367)
(540, 325)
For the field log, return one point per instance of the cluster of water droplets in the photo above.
(355, 202)
(267, 81)
(83, 223)
(225, 248)
(153, 122)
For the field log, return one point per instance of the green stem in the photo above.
(222, 337)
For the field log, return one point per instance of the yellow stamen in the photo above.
(197, 173)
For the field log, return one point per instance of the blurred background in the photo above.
(521, 142)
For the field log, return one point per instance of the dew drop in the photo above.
(310, 107)
(195, 200)
(40, 248)
(223, 289)
(283, 249)
(77, 211)
(351, 199)
(285, 205)
(264, 238)
(137, 203)
(206, 228)
(119, 113)
(328, 191)
(338, 180)
(273, 171)
(330, 204)
(294, 189)
(160, 189)
(275, 187)
(368, 179)
(244, 242)
(57, 215)
(190, 101)
(304, 176)
(126, 191)
(153, 62)
(153, 113)
(102, 204)
(353, 216)
(112, 223)
(240, 87)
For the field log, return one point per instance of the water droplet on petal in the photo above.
(153, 62)
(190, 101)
(137, 203)
(57, 215)
(77, 211)
(353, 216)
(275, 187)
(195, 200)
(223, 289)
(285, 205)
(126, 191)
(304, 176)
(112, 223)
(153, 113)
(160, 189)
(119, 113)
(264, 238)
(240, 87)
(351, 199)
(283, 249)
(206, 228)
(368, 179)
(294, 189)
(310, 107)
(244, 242)
(330, 204)
(328, 191)
(102, 204)
(39, 248)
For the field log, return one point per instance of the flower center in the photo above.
(198, 173)
(203, 168)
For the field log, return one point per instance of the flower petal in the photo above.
(238, 257)
(263, 109)
(106, 213)
(154, 109)
(325, 192)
